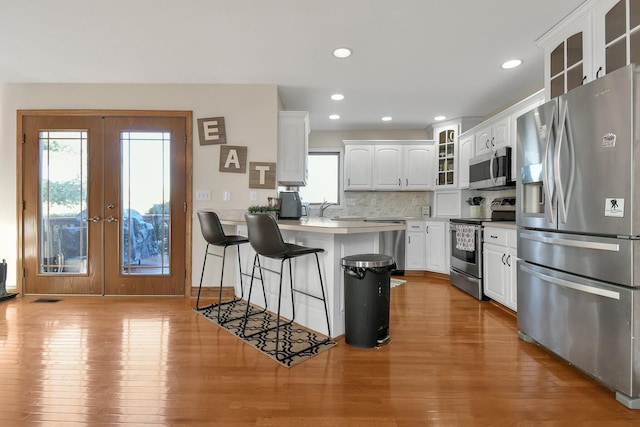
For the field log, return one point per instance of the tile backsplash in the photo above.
(379, 203)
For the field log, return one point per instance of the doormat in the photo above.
(396, 282)
(293, 337)
(46, 300)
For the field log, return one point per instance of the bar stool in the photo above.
(266, 240)
(214, 235)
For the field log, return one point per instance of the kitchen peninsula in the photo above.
(339, 238)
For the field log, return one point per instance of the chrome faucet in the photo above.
(324, 206)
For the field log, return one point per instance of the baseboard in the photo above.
(423, 273)
(213, 292)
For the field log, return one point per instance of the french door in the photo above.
(104, 208)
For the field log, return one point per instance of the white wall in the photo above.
(250, 112)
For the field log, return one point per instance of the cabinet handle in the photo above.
(493, 236)
(399, 182)
(509, 260)
(503, 263)
(486, 144)
(493, 139)
(427, 229)
(583, 79)
(598, 72)
(406, 181)
(409, 239)
(349, 181)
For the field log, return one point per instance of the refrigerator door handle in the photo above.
(563, 133)
(545, 171)
(572, 285)
(612, 247)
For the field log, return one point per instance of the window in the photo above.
(323, 182)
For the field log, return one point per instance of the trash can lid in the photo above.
(367, 260)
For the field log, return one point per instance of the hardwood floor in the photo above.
(453, 361)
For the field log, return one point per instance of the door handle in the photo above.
(94, 219)
(111, 219)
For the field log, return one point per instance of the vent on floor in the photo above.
(46, 300)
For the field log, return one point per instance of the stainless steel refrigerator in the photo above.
(578, 217)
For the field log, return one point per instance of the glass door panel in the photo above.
(63, 202)
(145, 205)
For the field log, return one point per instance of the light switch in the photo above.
(203, 195)
(253, 195)
(226, 195)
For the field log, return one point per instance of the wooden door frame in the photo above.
(188, 117)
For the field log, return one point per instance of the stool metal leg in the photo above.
(204, 263)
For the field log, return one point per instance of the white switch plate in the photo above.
(203, 195)
(226, 195)
(253, 195)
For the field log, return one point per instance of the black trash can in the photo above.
(367, 283)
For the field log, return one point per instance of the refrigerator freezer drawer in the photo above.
(602, 258)
(588, 323)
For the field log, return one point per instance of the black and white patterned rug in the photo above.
(293, 337)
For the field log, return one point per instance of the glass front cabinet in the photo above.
(599, 37)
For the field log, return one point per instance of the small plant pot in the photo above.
(475, 211)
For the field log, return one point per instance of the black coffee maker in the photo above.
(3, 282)
(290, 205)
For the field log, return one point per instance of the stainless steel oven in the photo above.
(466, 256)
(466, 246)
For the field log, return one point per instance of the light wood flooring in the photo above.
(453, 361)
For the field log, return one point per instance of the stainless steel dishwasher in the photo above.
(393, 243)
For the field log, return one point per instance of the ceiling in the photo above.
(412, 59)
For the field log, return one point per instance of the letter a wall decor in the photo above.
(212, 131)
(233, 159)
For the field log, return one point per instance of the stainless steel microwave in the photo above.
(491, 171)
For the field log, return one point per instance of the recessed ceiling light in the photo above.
(387, 119)
(512, 63)
(439, 118)
(342, 52)
(337, 97)
(334, 117)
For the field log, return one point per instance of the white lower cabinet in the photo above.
(415, 255)
(436, 245)
(499, 271)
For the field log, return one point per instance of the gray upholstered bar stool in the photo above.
(214, 235)
(265, 238)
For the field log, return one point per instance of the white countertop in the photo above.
(328, 225)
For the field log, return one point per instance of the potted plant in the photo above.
(475, 208)
(271, 210)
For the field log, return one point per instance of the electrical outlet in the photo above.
(351, 201)
(374, 202)
(414, 202)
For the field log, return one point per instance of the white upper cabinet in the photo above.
(616, 38)
(293, 147)
(418, 162)
(600, 36)
(466, 151)
(446, 136)
(494, 133)
(389, 165)
(358, 164)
